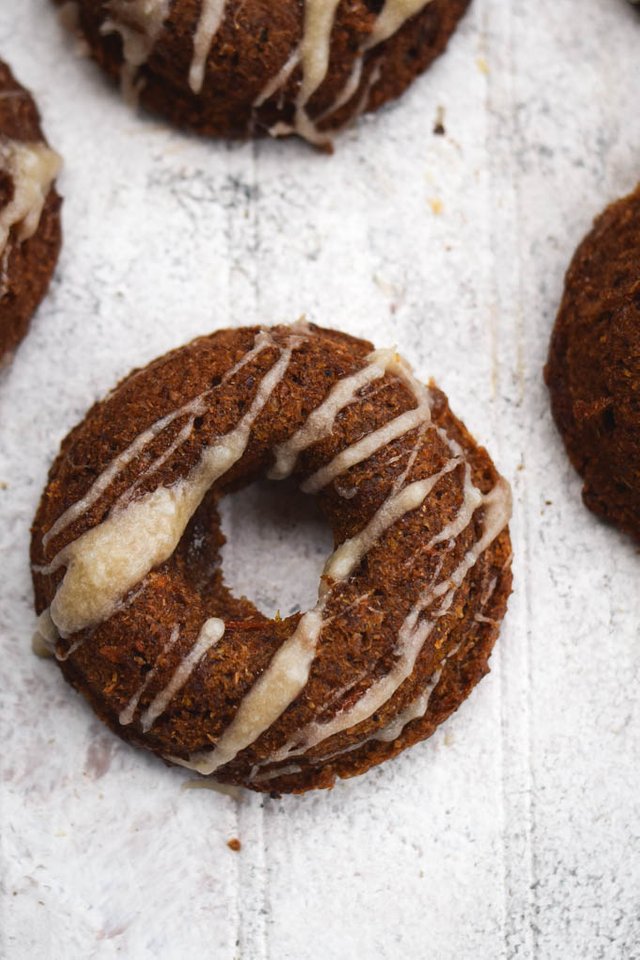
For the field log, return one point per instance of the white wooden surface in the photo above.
(514, 832)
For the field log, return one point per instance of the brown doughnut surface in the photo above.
(409, 604)
(593, 370)
(245, 68)
(28, 255)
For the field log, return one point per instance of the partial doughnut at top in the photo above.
(127, 576)
(593, 370)
(30, 232)
(240, 68)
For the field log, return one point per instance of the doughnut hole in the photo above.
(277, 542)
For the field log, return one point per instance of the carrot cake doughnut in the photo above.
(593, 370)
(29, 211)
(240, 68)
(126, 558)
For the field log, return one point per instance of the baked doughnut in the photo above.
(29, 211)
(128, 585)
(239, 68)
(593, 370)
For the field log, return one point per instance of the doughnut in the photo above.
(593, 369)
(130, 592)
(30, 232)
(242, 68)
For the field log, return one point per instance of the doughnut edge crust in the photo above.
(30, 231)
(264, 67)
(409, 605)
(593, 366)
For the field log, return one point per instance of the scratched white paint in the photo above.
(513, 833)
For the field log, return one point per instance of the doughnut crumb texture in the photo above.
(131, 595)
(593, 368)
(30, 233)
(251, 68)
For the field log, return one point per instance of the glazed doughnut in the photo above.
(126, 566)
(241, 68)
(593, 370)
(29, 211)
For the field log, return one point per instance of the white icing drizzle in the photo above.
(289, 670)
(414, 711)
(363, 102)
(412, 635)
(44, 639)
(262, 341)
(347, 91)
(127, 714)
(62, 655)
(393, 15)
(282, 76)
(210, 634)
(366, 447)
(350, 553)
(314, 56)
(104, 563)
(319, 16)
(194, 408)
(32, 167)
(179, 441)
(139, 23)
(211, 17)
(103, 482)
(287, 771)
(40, 648)
(269, 697)
(491, 588)
(320, 423)
(315, 48)
(472, 499)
